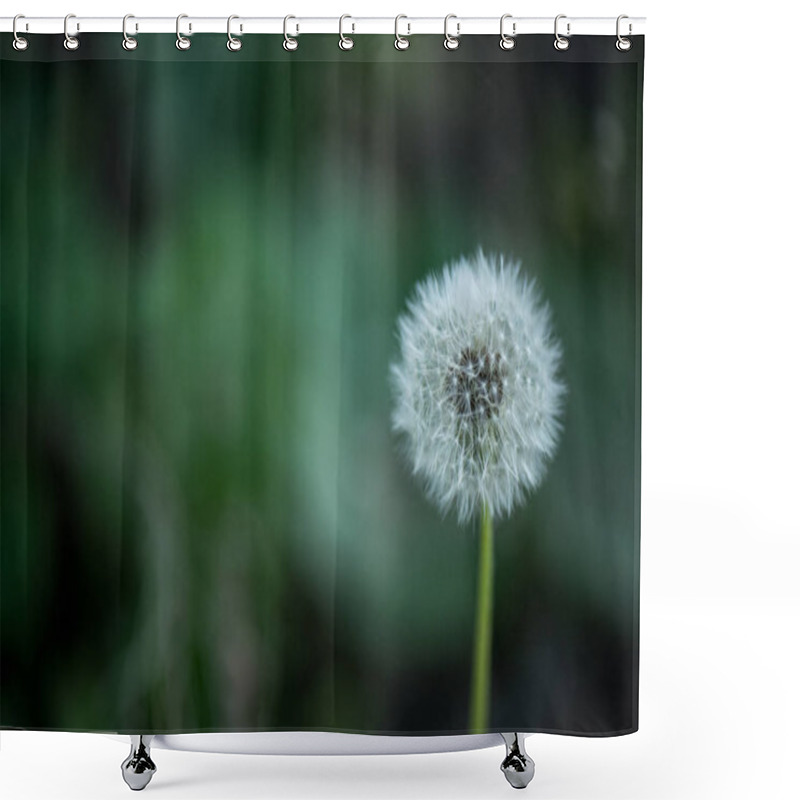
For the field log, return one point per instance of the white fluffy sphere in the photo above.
(477, 390)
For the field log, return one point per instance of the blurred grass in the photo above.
(206, 522)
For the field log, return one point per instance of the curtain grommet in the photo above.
(233, 44)
(401, 42)
(182, 42)
(507, 42)
(623, 44)
(71, 43)
(345, 42)
(128, 42)
(20, 43)
(290, 43)
(561, 43)
(451, 42)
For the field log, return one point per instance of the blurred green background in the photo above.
(206, 520)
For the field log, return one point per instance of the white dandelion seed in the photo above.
(477, 391)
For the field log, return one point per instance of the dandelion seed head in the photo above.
(477, 391)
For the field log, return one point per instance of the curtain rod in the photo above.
(405, 26)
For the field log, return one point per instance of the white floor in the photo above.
(720, 701)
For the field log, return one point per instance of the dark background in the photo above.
(206, 521)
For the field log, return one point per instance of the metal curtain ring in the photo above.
(233, 44)
(400, 42)
(561, 43)
(20, 42)
(623, 44)
(182, 43)
(451, 42)
(70, 42)
(128, 42)
(507, 42)
(345, 42)
(288, 42)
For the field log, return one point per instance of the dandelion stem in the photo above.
(482, 652)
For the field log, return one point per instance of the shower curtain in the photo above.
(320, 385)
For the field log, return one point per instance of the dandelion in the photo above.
(477, 391)
(478, 400)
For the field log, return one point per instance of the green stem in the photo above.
(482, 652)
